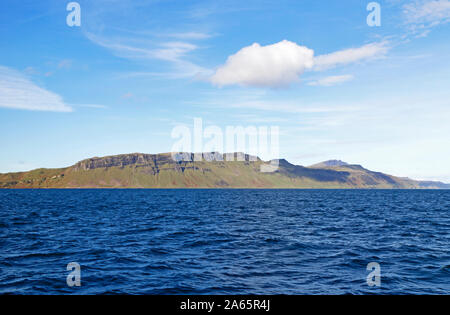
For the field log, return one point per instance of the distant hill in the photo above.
(330, 163)
(161, 171)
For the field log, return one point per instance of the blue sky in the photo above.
(133, 70)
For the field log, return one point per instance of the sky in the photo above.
(337, 87)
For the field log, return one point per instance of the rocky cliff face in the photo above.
(153, 160)
(120, 161)
(149, 164)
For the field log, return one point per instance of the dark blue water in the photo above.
(224, 241)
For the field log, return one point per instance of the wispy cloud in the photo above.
(174, 52)
(331, 80)
(170, 51)
(65, 64)
(262, 103)
(291, 107)
(19, 92)
(127, 95)
(251, 118)
(352, 55)
(190, 35)
(97, 106)
(423, 14)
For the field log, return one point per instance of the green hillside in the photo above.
(162, 171)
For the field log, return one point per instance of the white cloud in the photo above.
(275, 65)
(427, 13)
(18, 92)
(347, 56)
(331, 80)
(281, 64)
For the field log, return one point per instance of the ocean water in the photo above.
(224, 241)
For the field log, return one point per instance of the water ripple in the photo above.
(224, 241)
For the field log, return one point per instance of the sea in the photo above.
(233, 242)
